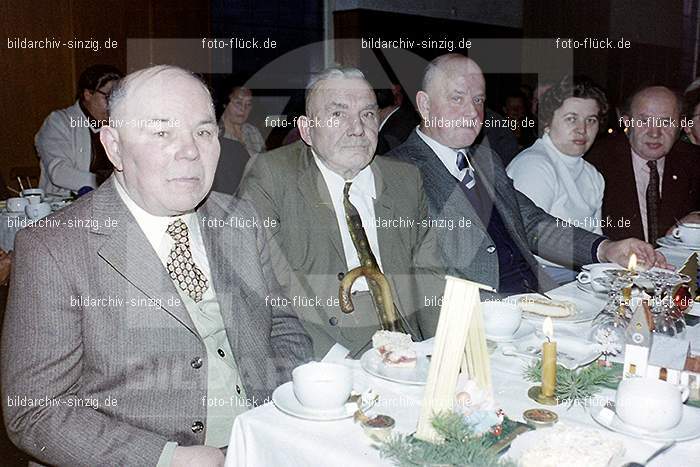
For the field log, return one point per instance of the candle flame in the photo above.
(632, 265)
(548, 328)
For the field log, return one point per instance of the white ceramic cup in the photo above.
(594, 271)
(688, 233)
(322, 386)
(650, 404)
(33, 192)
(37, 211)
(16, 204)
(501, 319)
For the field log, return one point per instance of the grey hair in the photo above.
(332, 72)
(122, 87)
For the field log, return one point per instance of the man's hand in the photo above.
(620, 251)
(197, 456)
(692, 218)
(5, 266)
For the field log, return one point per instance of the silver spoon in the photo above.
(662, 449)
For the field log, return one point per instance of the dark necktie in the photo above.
(469, 180)
(180, 264)
(357, 231)
(653, 201)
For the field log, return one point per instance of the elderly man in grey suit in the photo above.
(466, 181)
(139, 324)
(308, 193)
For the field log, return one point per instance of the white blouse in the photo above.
(566, 187)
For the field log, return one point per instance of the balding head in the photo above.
(653, 121)
(451, 101)
(162, 139)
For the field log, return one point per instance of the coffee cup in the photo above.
(650, 404)
(501, 319)
(16, 204)
(37, 211)
(322, 386)
(594, 271)
(33, 192)
(687, 233)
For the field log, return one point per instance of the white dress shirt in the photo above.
(446, 154)
(362, 196)
(641, 179)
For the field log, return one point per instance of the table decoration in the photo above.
(459, 446)
(573, 386)
(544, 394)
(460, 344)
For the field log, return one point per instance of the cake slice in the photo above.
(545, 307)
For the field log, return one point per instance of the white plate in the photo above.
(284, 399)
(571, 352)
(586, 310)
(524, 330)
(528, 439)
(372, 363)
(687, 428)
(672, 242)
(588, 289)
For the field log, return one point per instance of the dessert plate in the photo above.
(586, 310)
(372, 363)
(284, 399)
(685, 430)
(571, 352)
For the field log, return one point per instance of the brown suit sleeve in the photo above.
(42, 353)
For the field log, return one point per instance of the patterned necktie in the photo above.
(469, 180)
(357, 231)
(180, 264)
(653, 201)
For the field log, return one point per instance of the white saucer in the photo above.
(687, 428)
(524, 330)
(670, 241)
(284, 399)
(572, 352)
(588, 289)
(372, 363)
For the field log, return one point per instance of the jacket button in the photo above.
(491, 249)
(221, 353)
(333, 321)
(238, 389)
(197, 427)
(196, 363)
(341, 275)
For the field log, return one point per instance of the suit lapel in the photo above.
(384, 209)
(128, 251)
(315, 193)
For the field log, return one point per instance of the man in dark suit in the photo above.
(651, 178)
(140, 320)
(503, 228)
(396, 121)
(306, 191)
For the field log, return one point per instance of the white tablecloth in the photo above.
(265, 436)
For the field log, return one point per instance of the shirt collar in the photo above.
(446, 154)
(362, 183)
(639, 163)
(154, 227)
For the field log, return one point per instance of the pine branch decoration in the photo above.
(573, 386)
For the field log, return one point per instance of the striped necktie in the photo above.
(469, 179)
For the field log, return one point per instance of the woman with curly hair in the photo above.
(552, 172)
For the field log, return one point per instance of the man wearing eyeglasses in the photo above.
(68, 143)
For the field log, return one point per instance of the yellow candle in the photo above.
(549, 359)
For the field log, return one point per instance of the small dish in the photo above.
(686, 430)
(523, 331)
(284, 399)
